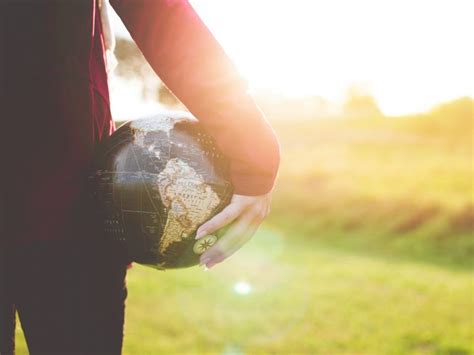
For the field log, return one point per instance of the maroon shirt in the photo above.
(55, 104)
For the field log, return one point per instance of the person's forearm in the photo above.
(188, 59)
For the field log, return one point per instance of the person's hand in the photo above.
(246, 213)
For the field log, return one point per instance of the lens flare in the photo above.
(242, 288)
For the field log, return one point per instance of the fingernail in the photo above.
(201, 234)
(205, 261)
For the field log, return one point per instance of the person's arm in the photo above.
(191, 63)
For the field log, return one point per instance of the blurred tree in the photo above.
(360, 104)
(133, 66)
(453, 119)
(461, 109)
(166, 97)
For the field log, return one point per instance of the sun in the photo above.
(409, 54)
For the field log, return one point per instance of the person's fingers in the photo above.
(218, 250)
(233, 247)
(237, 235)
(246, 213)
(223, 218)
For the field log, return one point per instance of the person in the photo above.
(67, 283)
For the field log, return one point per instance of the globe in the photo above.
(156, 180)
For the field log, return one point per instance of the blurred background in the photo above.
(369, 248)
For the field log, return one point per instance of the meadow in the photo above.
(368, 250)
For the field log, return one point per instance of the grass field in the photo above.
(303, 298)
(369, 250)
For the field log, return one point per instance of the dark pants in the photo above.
(70, 297)
(7, 325)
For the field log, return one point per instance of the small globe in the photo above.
(156, 181)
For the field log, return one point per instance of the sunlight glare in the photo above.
(409, 54)
(242, 288)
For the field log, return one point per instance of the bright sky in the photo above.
(410, 54)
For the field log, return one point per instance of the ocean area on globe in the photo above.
(155, 181)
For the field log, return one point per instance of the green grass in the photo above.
(306, 298)
(402, 186)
